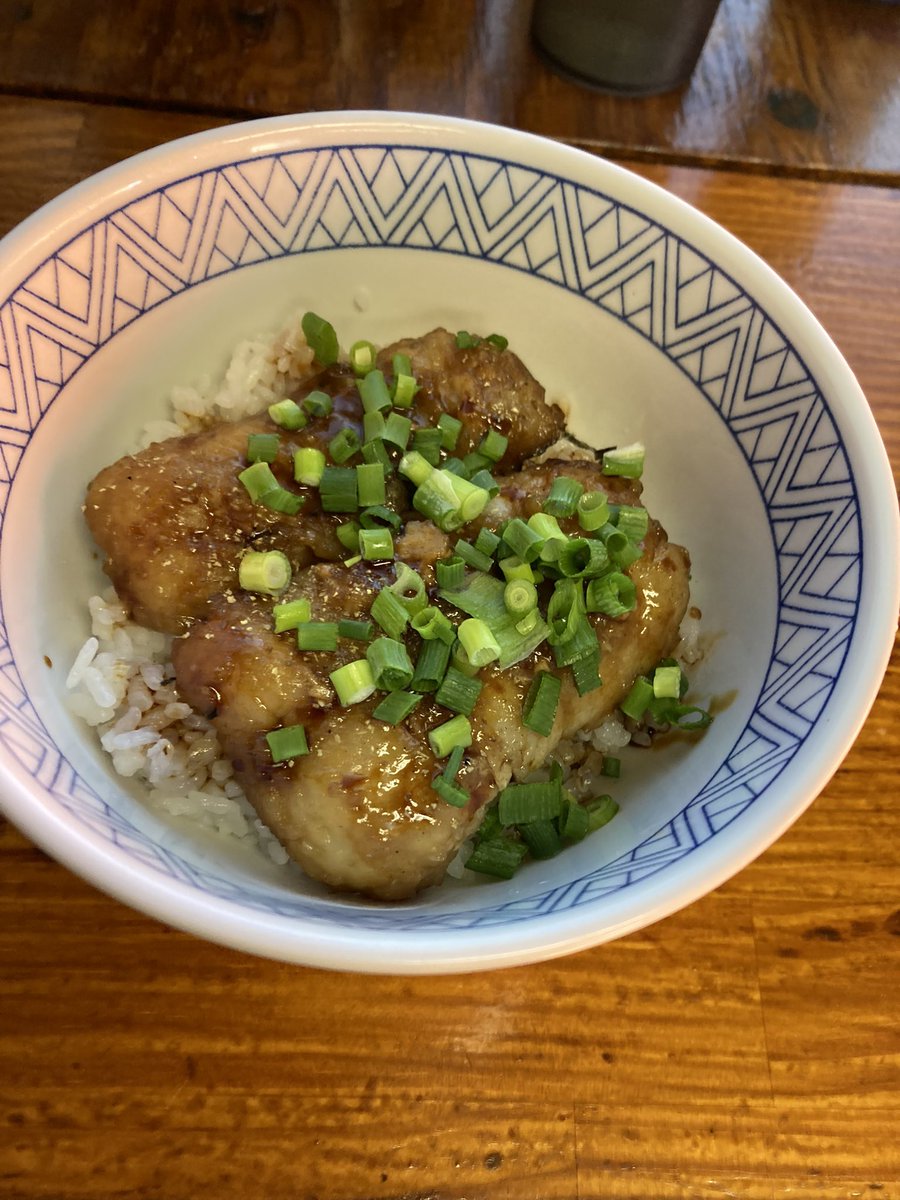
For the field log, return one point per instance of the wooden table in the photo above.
(747, 1047)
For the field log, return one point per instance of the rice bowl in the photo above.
(703, 362)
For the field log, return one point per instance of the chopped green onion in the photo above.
(362, 357)
(635, 703)
(376, 545)
(391, 666)
(317, 635)
(450, 428)
(500, 857)
(586, 672)
(466, 340)
(667, 683)
(473, 557)
(483, 479)
(593, 511)
(348, 536)
(455, 466)
(481, 595)
(627, 461)
(287, 742)
(357, 631)
(436, 500)
(564, 611)
(583, 558)
(291, 614)
(337, 490)
(397, 429)
(427, 442)
(409, 589)
(600, 811)
(547, 528)
(479, 643)
(374, 392)
(541, 702)
(563, 497)
(633, 521)
(514, 568)
(374, 425)
(450, 792)
(403, 391)
(497, 340)
(454, 762)
(430, 623)
(493, 445)
(262, 447)
(353, 560)
(321, 338)
(458, 692)
(460, 660)
(612, 767)
(389, 613)
(487, 541)
(522, 540)
(529, 622)
(266, 571)
(455, 732)
(344, 444)
(541, 837)
(520, 597)
(475, 461)
(573, 824)
(520, 803)
(262, 485)
(581, 642)
(353, 682)
(309, 464)
(395, 707)
(287, 414)
(431, 666)
(450, 572)
(614, 595)
(472, 499)
(370, 484)
(375, 451)
(401, 364)
(378, 514)
(318, 404)
(415, 467)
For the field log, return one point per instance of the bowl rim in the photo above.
(273, 935)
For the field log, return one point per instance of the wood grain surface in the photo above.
(811, 85)
(747, 1047)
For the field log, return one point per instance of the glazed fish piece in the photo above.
(359, 812)
(174, 520)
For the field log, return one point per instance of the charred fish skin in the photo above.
(359, 812)
(173, 521)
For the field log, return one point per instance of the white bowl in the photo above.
(648, 319)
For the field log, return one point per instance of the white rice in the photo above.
(122, 680)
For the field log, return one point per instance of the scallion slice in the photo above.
(635, 703)
(563, 497)
(287, 414)
(373, 425)
(291, 614)
(431, 666)
(520, 803)
(466, 340)
(627, 461)
(370, 484)
(485, 480)
(455, 732)
(573, 824)
(472, 499)
(450, 572)
(337, 490)
(357, 631)
(454, 762)
(586, 673)
(321, 338)
(475, 461)
(376, 545)
(600, 811)
(487, 541)
(374, 392)
(378, 514)
(613, 594)
(458, 692)
(430, 623)
(317, 635)
(344, 444)
(436, 500)
(427, 442)
(375, 451)
(520, 597)
(388, 613)
(473, 557)
(514, 568)
(493, 445)
(582, 641)
(415, 467)
(262, 447)
(612, 767)
(479, 643)
(409, 588)
(353, 682)
(667, 682)
(318, 404)
(348, 536)
(541, 703)
(266, 571)
(309, 463)
(582, 558)
(362, 357)
(522, 540)
(397, 430)
(500, 857)
(497, 340)
(450, 428)
(450, 792)
(633, 521)
(541, 837)
(287, 742)
(392, 669)
(593, 511)
(395, 707)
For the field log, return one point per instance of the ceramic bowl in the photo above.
(646, 319)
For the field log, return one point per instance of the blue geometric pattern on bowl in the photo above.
(554, 229)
